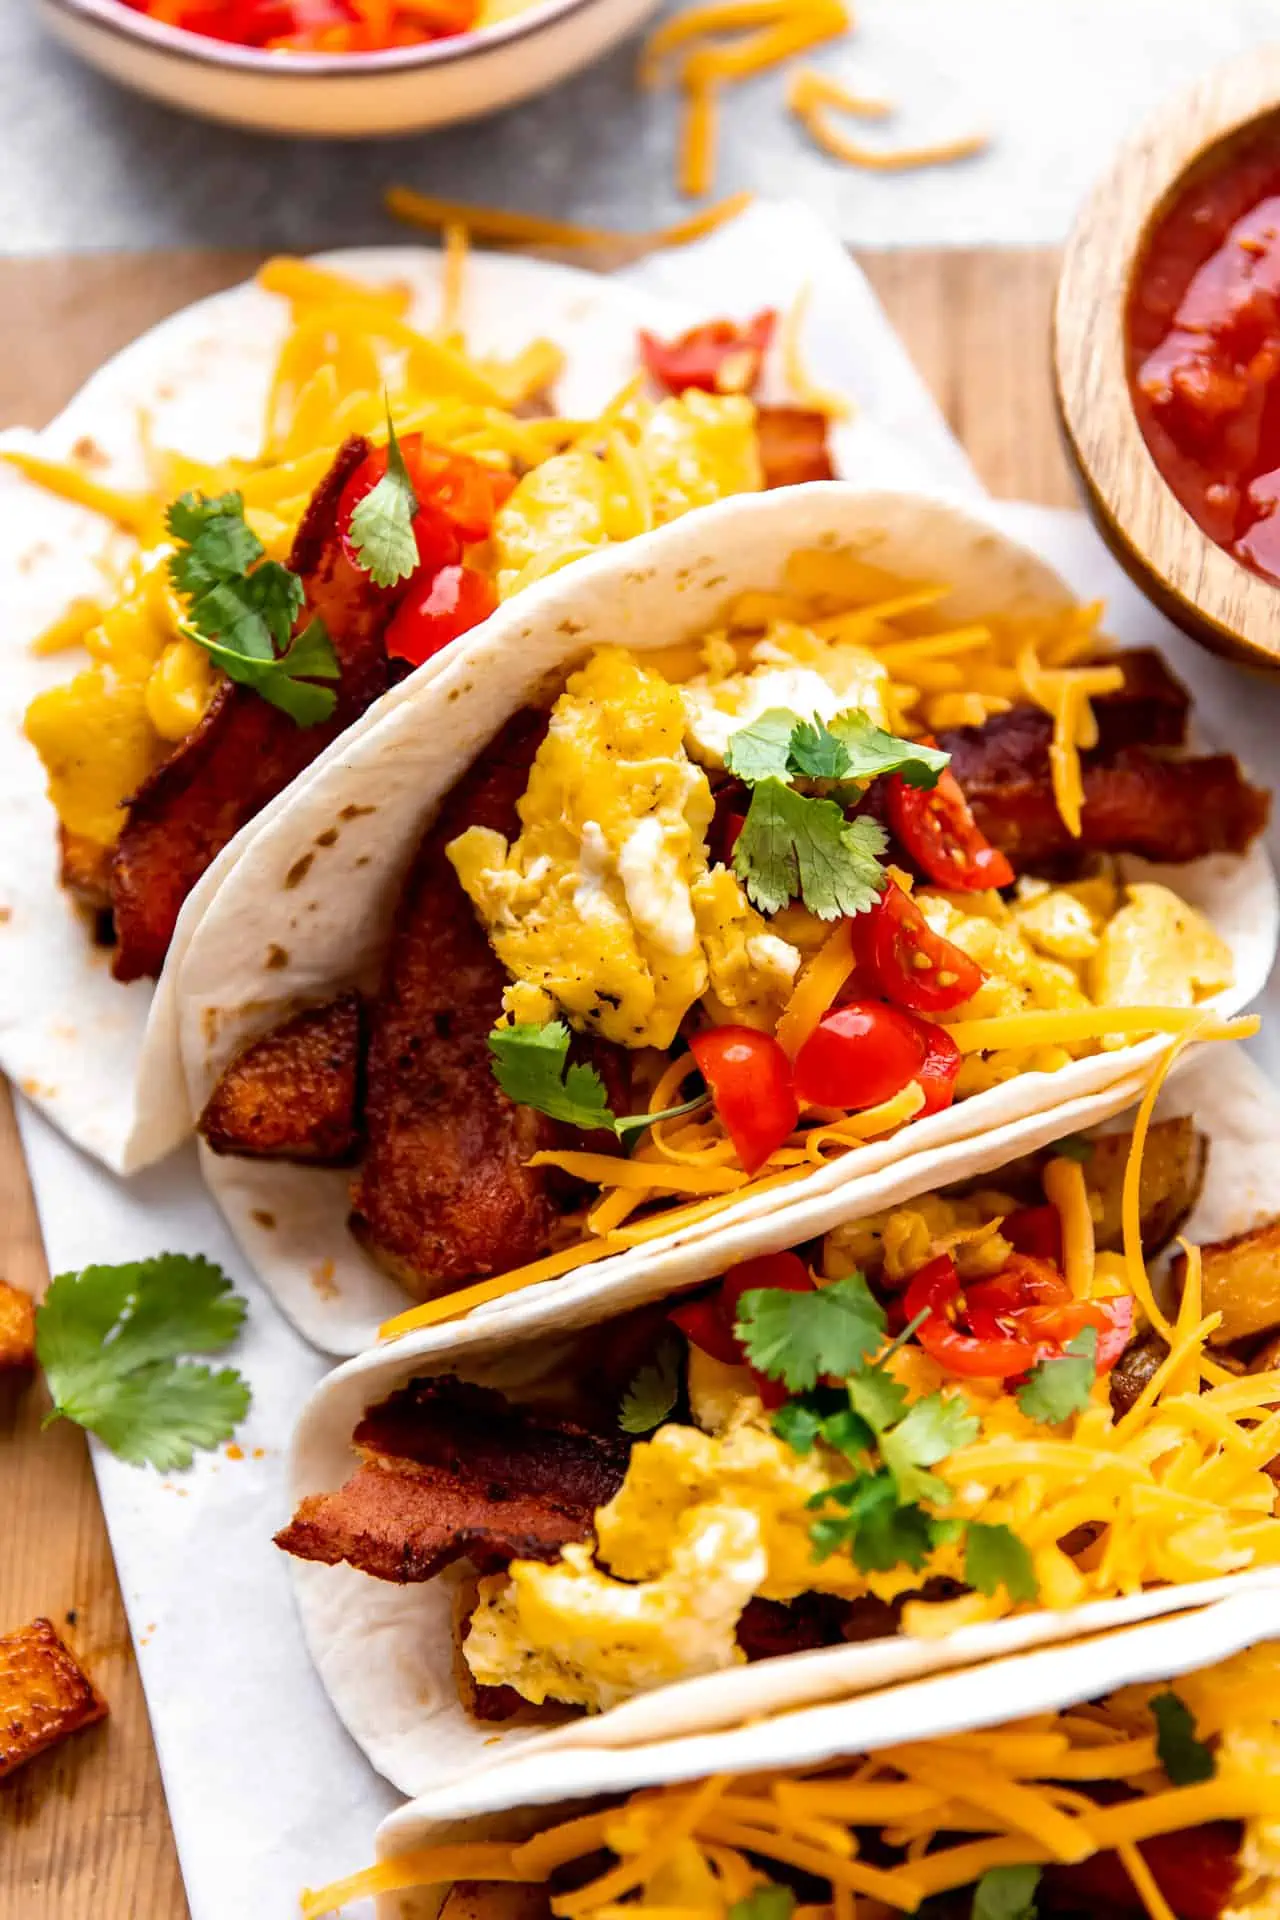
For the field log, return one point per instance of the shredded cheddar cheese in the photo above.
(810, 93)
(503, 227)
(1059, 1787)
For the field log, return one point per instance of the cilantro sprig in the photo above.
(1006, 1893)
(828, 1348)
(797, 845)
(381, 529)
(653, 1389)
(241, 608)
(113, 1341)
(1185, 1757)
(531, 1065)
(1058, 1387)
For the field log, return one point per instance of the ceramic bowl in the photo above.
(345, 96)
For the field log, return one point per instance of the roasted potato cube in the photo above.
(294, 1094)
(17, 1329)
(1173, 1164)
(1241, 1282)
(44, 1695)
(496, 1900)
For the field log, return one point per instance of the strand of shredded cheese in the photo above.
(804, 389)
(502, 226)
(1059, 1026)
(809, 95)
(1065, 1189)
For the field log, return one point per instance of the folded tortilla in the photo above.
(308, 915)
(386, 1653)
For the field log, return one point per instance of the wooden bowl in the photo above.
(1211, 595)
(345, 96)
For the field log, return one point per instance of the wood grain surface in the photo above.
(83, 1831)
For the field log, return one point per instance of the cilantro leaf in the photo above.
(995, 1557)
(770, 1902)
(933, 1428)
(241, 608)
(798, 1337)
(762, 750)
(1006, 1893)
(653, 1390)
(1184, 1756)
(111, 1340)
(1074, 1146)
(1055, 1389)
(878, 1530)
(381, 528)
(869, 751)
(877, 1397)
(531, 1065)
(792, 846)
(816, 752)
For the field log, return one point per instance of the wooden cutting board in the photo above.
(83, 1831)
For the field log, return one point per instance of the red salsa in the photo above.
(1204, 351)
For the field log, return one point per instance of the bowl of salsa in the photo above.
(1167, 357)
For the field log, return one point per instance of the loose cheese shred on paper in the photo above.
(503, 227)
(955, 1805)
(810, 93)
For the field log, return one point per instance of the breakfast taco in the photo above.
(252, 606)
(1011, 1410)
(1137, 1773)
(815, 831)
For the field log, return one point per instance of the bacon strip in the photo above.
(444, 1194)
(793, 446)
(453, 1471)
(245, 751)
(293, 1094)
(1134, 801)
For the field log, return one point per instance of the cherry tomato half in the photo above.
(859, 1055)
(750, 1080)
(937, 829)
(720, 357)
(936, 1287)
(911, 964)
(436, 609)
(702, 1324)
(942, 1061)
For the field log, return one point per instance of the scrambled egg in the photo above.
(1158, 951)
(898, 1242)
(687, 453)
(789, 668)
(604, 908)
(102, 732)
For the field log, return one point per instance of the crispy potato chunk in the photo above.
(1173, 1164)
(44, 1694)
(293, 1094)
(1241, 1282)
(17, 1329)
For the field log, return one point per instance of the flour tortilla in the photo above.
(532, 1791)
(325, 873)
(101, 1059)
(385, 1654)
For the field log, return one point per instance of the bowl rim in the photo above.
(127, 23)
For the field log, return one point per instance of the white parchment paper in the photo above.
(265, 1790)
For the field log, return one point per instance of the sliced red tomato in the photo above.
(435, 610)
(710, 1322)
(1035, 1230)
(911, 964)
(750, 1080)
(859, 1055)
(942, 1061)
(719, 357)
(939, 833)
(935, 1289)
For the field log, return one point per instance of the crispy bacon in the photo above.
(1196, 1869)
(293, 1094)
(245, 751)
(453, 1471)
(793, 446)
(444, 1194)
(1134, 800)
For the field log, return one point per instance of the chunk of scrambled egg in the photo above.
(103, 731)
(604, 908)
(1158, 951)
(688, 452)
(788, 668)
